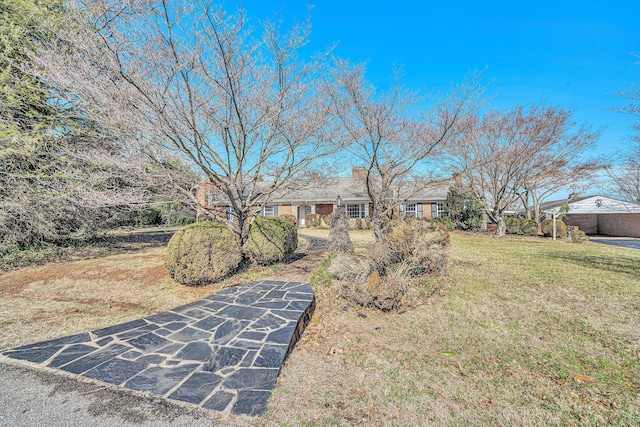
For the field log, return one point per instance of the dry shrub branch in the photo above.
(409, 265)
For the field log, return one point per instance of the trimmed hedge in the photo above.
(514, 225)
(578, 236)
(547, 228)
(529, 227)
(312, 220)
(272, 240)
(325, 220)
(202, 253)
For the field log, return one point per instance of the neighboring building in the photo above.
(599, 215)
(322, 197)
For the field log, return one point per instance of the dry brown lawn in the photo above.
(529, 332)
(56, 299)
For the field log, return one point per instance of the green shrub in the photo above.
(202, 253)
(291, 218)
(312, 220)
(514, 225)
(368, 222)
(547, 228)
(529, 227)
(358, 224)
(272, 240)
(187, 220)
(325, 220)
(446, 221)
(578, 236)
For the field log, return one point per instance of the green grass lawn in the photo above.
(529, 332)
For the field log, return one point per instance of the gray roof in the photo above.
(592, 205)
(353, 189)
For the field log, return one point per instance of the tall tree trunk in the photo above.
(378, 222)
(241, 226)
(501, 228)
(536, 216)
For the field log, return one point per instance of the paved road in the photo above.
(625, 242)
(37, 398)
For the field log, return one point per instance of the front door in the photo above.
(302, 212)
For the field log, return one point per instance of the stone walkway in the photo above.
(221, 353)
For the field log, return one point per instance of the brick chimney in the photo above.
(358, 171)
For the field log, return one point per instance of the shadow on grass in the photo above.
(617, 264)
(86, 248)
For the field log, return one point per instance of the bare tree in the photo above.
(633, 107)
(559, 164)
(235, 102)
(625, 177)
(392, 137)
(521, 154)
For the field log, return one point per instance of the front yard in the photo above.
(528, 332)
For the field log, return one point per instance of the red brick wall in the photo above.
(324, 209)
(624, 225)
(627, 224)
(285, 210)
(586, 223)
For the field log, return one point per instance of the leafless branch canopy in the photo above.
(391, 136)
(522, 154)
(235, 101)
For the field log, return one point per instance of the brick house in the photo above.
(599, 215)
(322, 197)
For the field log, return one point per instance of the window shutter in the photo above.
(419, 210)
(275, 210)
(401, 209)
(262, 211)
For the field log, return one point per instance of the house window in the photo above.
(411, 209)
(355, 211)
(437, 210)
(215, 197)
(269, 210)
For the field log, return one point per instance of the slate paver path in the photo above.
(221, 353)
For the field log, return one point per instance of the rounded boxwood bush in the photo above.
(547, 228)
(578, 236)
(272, 240)
(529, 227)
(312, 220)
(202, 253)
(514, 225)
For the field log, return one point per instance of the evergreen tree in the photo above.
(60, 174)
(463, 209)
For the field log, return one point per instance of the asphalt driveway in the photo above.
(625, 242)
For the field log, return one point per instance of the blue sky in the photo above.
(574, 54)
